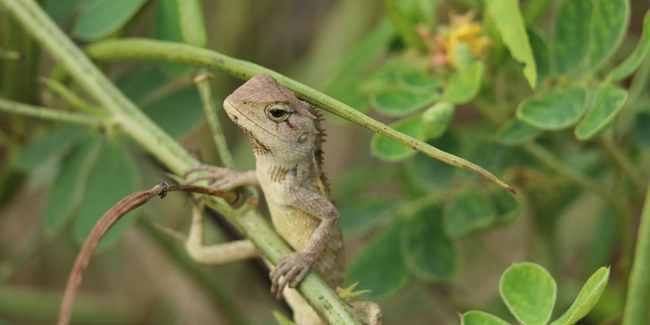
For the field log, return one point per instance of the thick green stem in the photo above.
(205, 89)
(638, 294)
(47, 113)
(134, 123)
(151, 50)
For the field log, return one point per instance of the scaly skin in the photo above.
(286, 137)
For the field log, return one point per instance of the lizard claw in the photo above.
(291, 269)
(220, 178)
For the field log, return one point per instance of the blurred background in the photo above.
(429, 240)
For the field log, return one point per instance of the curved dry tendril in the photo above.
(109, 219)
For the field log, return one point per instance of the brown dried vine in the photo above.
(109, 219)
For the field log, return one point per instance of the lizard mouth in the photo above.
(250, 120)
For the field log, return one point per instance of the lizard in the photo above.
(286, 137)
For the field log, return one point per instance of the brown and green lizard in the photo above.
(286, 137)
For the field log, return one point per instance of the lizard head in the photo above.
(276, 121)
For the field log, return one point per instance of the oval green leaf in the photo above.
(529, 292)
(508, 20)
(50, 146)
(587, 298)
(475, 317)
(464, 85)
(428, 252)
(178, 113)
(398, 102)
(390, 150)
(468, 212)
(609, 101)
(418, 80)
(608, 24)
(112, 178)
(104, 17)
(436, 119)
(432, 173)
(542, 58)
(516, 132)
(359, 216)
(627, 67)
(379, 266)
(556, 110)
(507, 207)
(570, 41)
(68, 188)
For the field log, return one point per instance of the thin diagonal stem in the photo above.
(8, 106)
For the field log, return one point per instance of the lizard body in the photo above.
(286, 137)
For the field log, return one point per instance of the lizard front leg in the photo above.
(222, 179)
(292, 268)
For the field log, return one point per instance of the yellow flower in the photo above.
(464, 30)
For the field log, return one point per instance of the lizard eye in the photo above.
(278, 113)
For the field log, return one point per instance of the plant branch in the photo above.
(638, 294)
(202, 81)
(152, 50)
(134, 123)
(622, 161)
(48, 113)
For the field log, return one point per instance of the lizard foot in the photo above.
(291, 269)
(220, 178)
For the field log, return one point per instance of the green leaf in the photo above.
(353, 97)
(68, 188)
(379, 266)
(464, 85)
(361, 215)
(50, 146)
(61, 11)
(178, 113)
(627, 67)
(542, 58)
(516, 132)
(608, 24)
(141, 82)
(609, 101)
(282, 320)
(556, 110)
(507, 207)
(432, 173)
(508, 20)
(468, 212)
(105, 17)
(168, 28)
(587, 298)
(642, 130)
(428, 252)
(570, 41)
(529, 291)
(390, 150)
(113, 177)
(418, 80)
(436, 119)
(403, 25)
(475, 317)
(398, 102)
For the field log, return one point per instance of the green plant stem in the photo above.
(638, 294)
(624, 222)
(638, 87)
(28, 304)
(48, 113)
(621, 160)
(212, 117)
(152, 50)
(71, 97)
(203, 280)
(134, 123)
